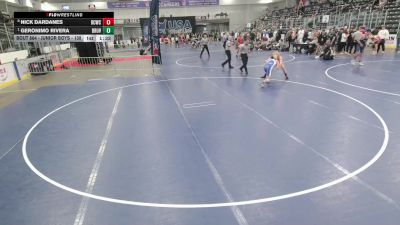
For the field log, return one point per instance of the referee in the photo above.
(228, 46)
(204, 42)
(244, 50)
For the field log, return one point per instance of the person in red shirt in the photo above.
(239, 41)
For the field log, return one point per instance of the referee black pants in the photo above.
(381, 43)
(245, 59)
(228, 53)
(206, 48)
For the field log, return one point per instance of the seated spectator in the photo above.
(310, 47)
(328, 53)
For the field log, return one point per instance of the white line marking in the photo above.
(364, 94)
(12, 147)
(318, 104)
(211, 205)
(368, 124)
(198, 103)
(217, 177)
(333, 163)
(387, 71)
(348, 116)
(372, 79)
(197, 51)
(80, 216)
(313, 60)
(322, 82)
(353, 85)
(96, 79)
(198, 106)
(219, 67)
(354, 118)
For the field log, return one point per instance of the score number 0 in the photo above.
(108, 21)
(108, 26)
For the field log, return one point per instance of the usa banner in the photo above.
(154, 32)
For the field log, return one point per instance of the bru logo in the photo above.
(3, 74)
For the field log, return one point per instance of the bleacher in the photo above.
(393, 16)
(356, 13)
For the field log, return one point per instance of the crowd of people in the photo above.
(193, 40)
(297, 40)
(322, 44)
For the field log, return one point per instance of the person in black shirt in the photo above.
(328, 53)
(350, 43)
(305, 37)
(375, 31)
(337, 39)
(321, 40)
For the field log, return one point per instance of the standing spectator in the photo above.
(177, 40)
(252, 36)
(338, 36)
(305, 36)
(322, 38)
(350, 43)
(383, 35)
(343, 41)
(300, 35)
(291, 39)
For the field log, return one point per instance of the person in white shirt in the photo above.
(228, 46)
(343, 41)
(204, 42)
(383, 35)
(274, 35)
(300, 36)
(244, 50)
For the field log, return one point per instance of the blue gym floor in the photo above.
(200, 146)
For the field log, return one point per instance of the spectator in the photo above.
(383, 35)
(300, 35)
(322, 38)
(328, 53)
(350, 43)
(343, 41)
